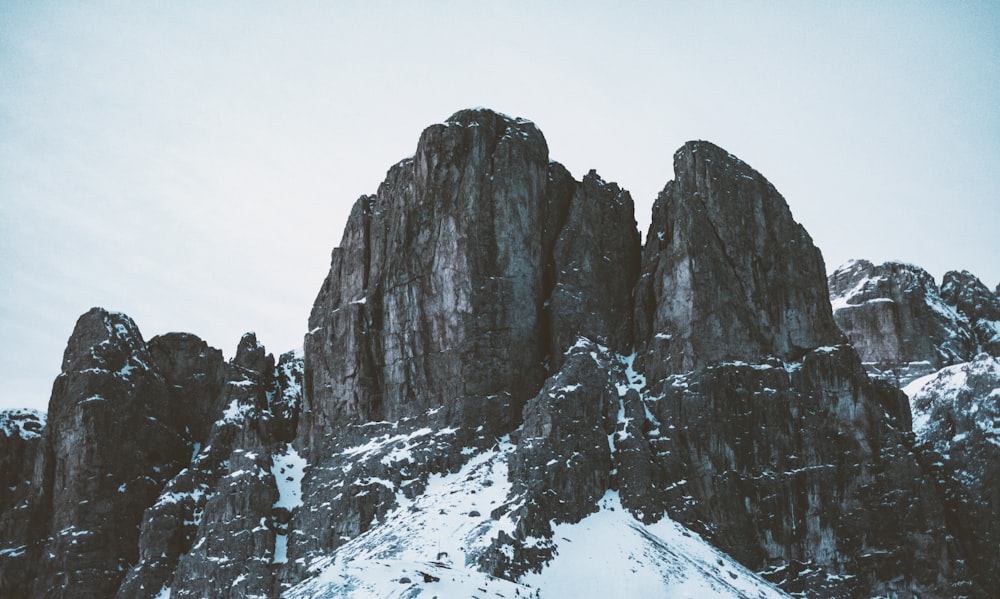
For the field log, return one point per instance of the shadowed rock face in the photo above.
(475, 261)
(115, 440)
(956, 415)
(435, 294)
(597, 256)
(454, 289)
(23, 517)
(727, 273)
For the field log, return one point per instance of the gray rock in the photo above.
(435, 294)
(727, 274)
(477, 263)
(562, 464)
(895, 317)
(23, 460)
(957, 420)
(783, 464)
(482, 292)
(115, 442)
(964, 292)
(597, 264)
(213, 530)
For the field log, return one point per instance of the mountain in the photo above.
(502, 392)
(896, 312)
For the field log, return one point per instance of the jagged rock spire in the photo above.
(438, 296)
(727, 272)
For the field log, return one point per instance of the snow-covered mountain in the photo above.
(502, 393)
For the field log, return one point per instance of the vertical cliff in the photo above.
(766, 431)
(455, 290)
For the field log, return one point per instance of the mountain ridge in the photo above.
(484, 307)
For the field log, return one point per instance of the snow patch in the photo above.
(288, 468)
(22, 422)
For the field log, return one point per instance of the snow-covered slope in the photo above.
(429, 547)
(958, 401)
(956, 417)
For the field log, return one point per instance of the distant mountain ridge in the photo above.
(502, 392)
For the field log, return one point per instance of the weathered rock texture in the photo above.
(956, 417)
(115, 439)
(563, 461)
(22, 497)
(437, 295)
(768, 434)
(597, 259)
(474, 267)
(895, 317)
(484, 304)
(116, 495)
(727, 274)
(798, 467)
(981, 307)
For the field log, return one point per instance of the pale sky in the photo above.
(192, 164)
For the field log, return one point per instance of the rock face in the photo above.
(727, 273)
(895, 317)
(956, 417)
(116, 493)
(980, 306)
(437, 295)
(766, 435)
(495, 367)
(115, 440)
(22, 483)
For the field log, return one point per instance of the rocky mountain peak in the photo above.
(251, 355)
(727, 272)
(896, 318)
(981, 307)
(103, 339)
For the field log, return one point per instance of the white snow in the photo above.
(23, 422)
(288, 468)
(659, 560)
(839, 302)
(236, 411)
(433, 533)
(950, 386)
(386, 440)
(436, 535)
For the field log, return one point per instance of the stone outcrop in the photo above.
(956, 419)
(116, 492)
(763, 430)
(895, 317)
(470, 272)
(964, 292)
(435, 295)
(799, 471)
(22, 497)
(213, 529)
(439, 294)
(115, 440)
(563, 461)
(727, 274)
(597, 258)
